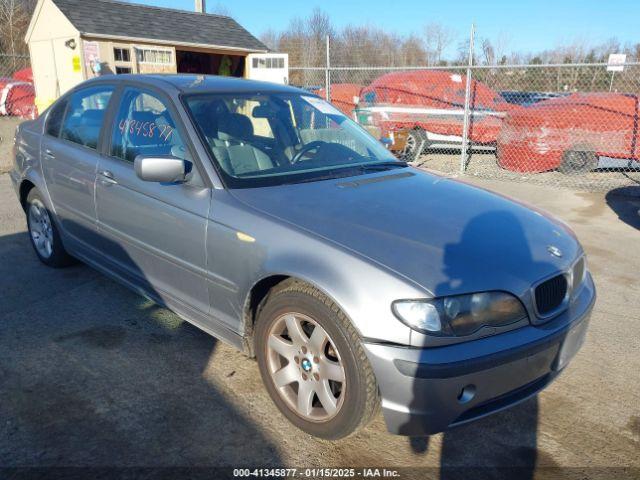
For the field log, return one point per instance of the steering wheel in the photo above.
(315, 145)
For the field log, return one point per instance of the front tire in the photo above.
(416, 144)
(313, 364)
(43, 233)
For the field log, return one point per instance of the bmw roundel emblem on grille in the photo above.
(555, 251)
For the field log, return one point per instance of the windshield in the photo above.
(261, 139)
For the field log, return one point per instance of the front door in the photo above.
(153, 233)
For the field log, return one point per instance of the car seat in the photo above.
(232, 151)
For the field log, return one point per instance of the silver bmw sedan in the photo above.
(265, 217)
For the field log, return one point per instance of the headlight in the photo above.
(577, 274)
(461, 314)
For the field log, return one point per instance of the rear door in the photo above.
(70, 156)
(153, 233)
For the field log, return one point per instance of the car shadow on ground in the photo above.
(625, 202)
(502, 445)
(92, 374)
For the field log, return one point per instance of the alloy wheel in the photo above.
(409, 150)
(305, 367)
(40, 228)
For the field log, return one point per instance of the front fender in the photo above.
(245, 247)
(367, 303)
(364, 291)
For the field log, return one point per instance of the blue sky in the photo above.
(524, 25)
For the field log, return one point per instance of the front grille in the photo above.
(550, 294)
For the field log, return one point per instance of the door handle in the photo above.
(49, 153)
(107, 178)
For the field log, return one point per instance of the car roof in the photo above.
(190, 83)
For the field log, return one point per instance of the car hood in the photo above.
(445, 235)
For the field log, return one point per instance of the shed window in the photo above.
(269, 62)
(150, 55)
(121, 55)
(123, 70)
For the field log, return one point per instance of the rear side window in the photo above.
(54, 121)
(85, 116)
(144, 126)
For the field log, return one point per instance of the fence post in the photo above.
(327, 75)
(467, 102)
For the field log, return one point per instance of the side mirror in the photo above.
(167, 169)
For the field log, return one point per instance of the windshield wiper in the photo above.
(382, 166)
(319, 178)
(349, 171)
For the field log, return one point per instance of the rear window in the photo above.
(85, 115)
(55, 118)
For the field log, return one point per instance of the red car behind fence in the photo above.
(571, 134)
(344, 96)
(430, 103)
(17, 95)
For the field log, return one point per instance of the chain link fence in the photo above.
(17, 101)
(17, 95)
(573, 125)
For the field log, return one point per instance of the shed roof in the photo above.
(112, 18)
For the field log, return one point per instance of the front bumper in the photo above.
(427, 390)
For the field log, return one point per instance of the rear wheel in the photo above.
(43, 233)
(313, 364)
(578, 160)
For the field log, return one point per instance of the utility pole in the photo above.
(201, 6)
(327, 76)
(467, 101)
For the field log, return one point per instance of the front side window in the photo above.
(274, 138)
(84, 116)
(144, 126)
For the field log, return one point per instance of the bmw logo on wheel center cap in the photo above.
(306, 365)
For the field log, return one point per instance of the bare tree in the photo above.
(221, 9)
(437, 38)
(488, 52)
(14, 21)
(270, 39)
(500, 45)
(412, 51)
(462, 57)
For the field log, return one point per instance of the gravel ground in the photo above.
(93, 375)
(484, 165)
(7, 128)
